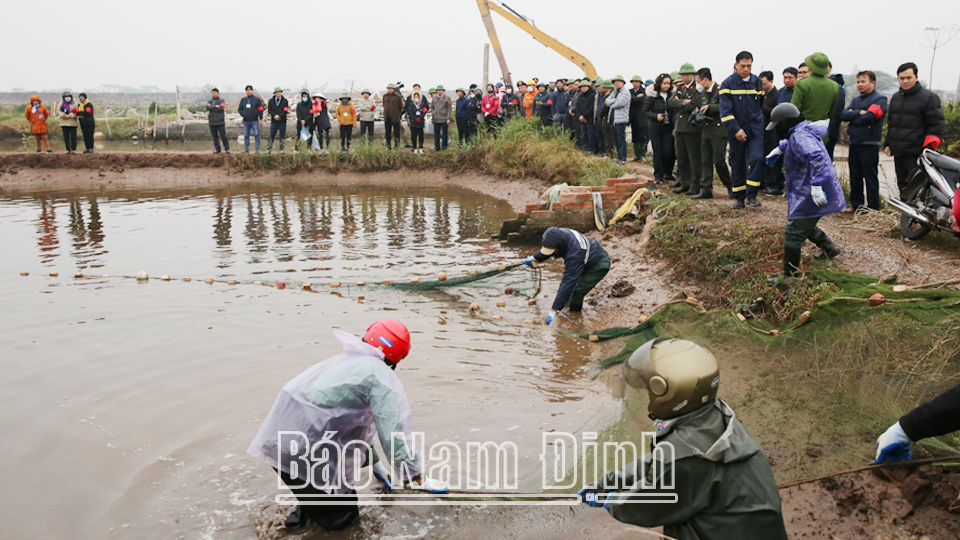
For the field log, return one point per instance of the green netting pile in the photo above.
(518, 279)
(638, 335)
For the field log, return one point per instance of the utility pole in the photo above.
(486, 66)
(956, 98)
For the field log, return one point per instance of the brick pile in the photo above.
(574, 209)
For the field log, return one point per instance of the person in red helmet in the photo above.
(342, 404)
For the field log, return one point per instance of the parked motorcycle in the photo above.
(927, 200)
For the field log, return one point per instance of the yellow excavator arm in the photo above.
(487, 5)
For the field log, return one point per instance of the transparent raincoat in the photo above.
(336, 403)
(806, 164)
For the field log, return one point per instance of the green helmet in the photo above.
(365, 91)
(585, 82)
(607, 84)
(618, 78)
(304, 91)
(432, 91)
(679, 376)
(461, 90)
(597, 79)
(636, 78)
(818, 63)
(440, 87)
(391, 85)
(687, 69)
(674, 76)
(277, 89)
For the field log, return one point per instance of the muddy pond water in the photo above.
(126, 406)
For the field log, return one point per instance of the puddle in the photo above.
(132, 403)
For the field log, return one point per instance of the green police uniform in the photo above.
(713, 142)
(687, 135)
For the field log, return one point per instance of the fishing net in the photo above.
(817, 394)
(515, 279)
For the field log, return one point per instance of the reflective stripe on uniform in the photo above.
(753, 184)
(739, 188)
(727, 118)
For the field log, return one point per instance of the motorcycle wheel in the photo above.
(912, 229)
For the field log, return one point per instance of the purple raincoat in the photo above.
(806, 164)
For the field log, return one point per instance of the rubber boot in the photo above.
(829, 250)
(295, 520)
(694, 190)
(791, 261)
(704, 194)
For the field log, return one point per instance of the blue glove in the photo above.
(530, 261)
(588, 496)
(551, 316)
(893, 445)
(381, 473)
(773, 156)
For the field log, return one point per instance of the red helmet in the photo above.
(391, 337)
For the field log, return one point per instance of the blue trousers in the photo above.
(620, 139)
(440, 135)
(588, 131)
(247, 128)
(746, 166)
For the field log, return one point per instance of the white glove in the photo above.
(776, 152)
(816, 192)
(893, 435)
(382, 474)
(429, 485)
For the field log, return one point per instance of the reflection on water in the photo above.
(148, 393)
(257, 231)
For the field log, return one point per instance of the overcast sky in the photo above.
(55, 44)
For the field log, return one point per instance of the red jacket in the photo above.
(490, 105)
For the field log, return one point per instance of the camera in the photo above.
(666, 118)
(399, 85)
(698, 118)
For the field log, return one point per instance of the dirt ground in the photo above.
(906, 505)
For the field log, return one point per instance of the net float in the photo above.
(442, 276)
(386, 282)
(78, 275)
(54, 274)
(361, 283)
(594, 338)
(497, 317)
(527, 321)
(774, 332)
(643, 319)
(501, 304)
(281, 285)
(531, 301)
(899, 288)
(741, 317)
(692, 301)
(472, 272)
(142, 275)
(186, 279)
(106, 275)
(474, 307)
(877, 300)
(165, 278)
(231, 282)
(307, 286)
(415, 280)
(334, 285)
(804, 317)
(502, 267)
(258, 283)
(208, 280)
(24, 273)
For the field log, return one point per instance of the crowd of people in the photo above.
(70, 114)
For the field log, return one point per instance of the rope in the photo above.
(914, 463)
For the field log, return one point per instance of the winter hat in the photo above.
(648, 82)
(687, 69)
(818, 63)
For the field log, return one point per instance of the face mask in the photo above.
(305, 99)
(699, 87)
(68, 100)
(344, 101)
(489, 91)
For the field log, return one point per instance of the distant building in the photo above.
(109, 88)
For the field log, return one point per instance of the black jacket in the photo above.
(303, 113)
(637, 99)
(275, 109)
(934, 418)
(865, 128)
(655, 104)
(585, 106)
(251, 109)
(577, 251)
(85, 114)
(833, 131)
(914, 114)
(216, 109)
(417, 116)
(770, 100)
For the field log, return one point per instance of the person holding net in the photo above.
(585, 263)
(934, 418)
(338, 404)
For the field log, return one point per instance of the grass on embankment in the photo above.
(522, 149)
